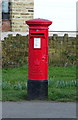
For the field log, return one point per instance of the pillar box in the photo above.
(38, 58)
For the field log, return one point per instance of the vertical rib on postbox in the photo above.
(38, 58)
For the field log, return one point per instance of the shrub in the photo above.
(62, 50)
(14, 51)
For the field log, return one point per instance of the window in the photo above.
(5, 9)
(6, 23)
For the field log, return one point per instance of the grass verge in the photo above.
(62, 84)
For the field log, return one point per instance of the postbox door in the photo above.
(38, 58)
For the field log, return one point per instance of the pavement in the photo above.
(0, 110)
(38, 109)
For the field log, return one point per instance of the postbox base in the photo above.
(37, 89)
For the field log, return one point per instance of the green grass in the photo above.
(14, 95)
(62, 84)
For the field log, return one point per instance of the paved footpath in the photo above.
(38, 109)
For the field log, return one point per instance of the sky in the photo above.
(61, 12)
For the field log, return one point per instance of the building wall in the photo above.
(0, 16)
(77, 15)
(21, 10)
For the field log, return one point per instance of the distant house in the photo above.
(15, 13)
(77, 15)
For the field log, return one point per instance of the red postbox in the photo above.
(38, 58)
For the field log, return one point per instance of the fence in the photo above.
(62, 50)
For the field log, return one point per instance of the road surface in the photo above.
(38, 109)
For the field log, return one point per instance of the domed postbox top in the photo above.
(39, 22)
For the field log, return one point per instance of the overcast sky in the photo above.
(61, 12)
